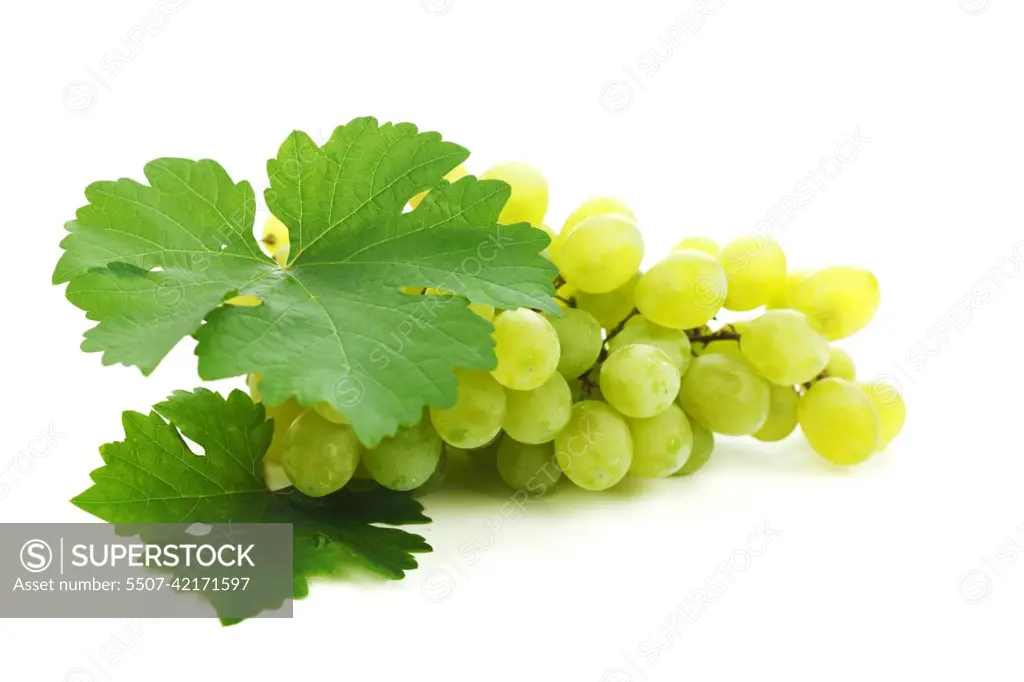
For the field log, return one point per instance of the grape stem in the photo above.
(724, 334)
(621, 325)
(571, 302)
(559, 282)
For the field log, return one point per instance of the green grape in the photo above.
(319, 456)
(683, 291)
(781, 414)
(283, 416)
(601, 254)
(892, 411)
(673, 342)
(612, 308)
(528, 202)
(639, 381)
(436, 479)
(840, 421)
(708, 246)
(722, 346)
(589, 209)
(475, 418)
(839, 300)
(579, 340)
(327, 411)
(528, 467)
(527, 348)
(454, 174)
(252, 382)
(840, 364)
(703, 444)
(275, 240)
(783, 347)
(661, 444)
(784, 296)
(536, 416)
(723, 394)
(755, 268)
(594, 450)
(408, 459)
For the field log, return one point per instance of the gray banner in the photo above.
(72, 570)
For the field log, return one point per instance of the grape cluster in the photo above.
(634, 377)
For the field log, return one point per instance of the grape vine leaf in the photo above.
(153, 476)
(154, 263)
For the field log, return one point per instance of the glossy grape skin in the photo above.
(839, 300)
(595, 448)
(673, 342)
(408, 459)
(276, 241)
(784, 296)
(319, 456)
(283, 416)
(783, 347)
(755, 268)
(527, 349)
(839, 421)
(683, 291)
(601, 254)
(612, 308)
(453, 175)
(588, 209)
(781, 419)
(700, 453)
(639, 381)
(708, 246)
(538, 415)
(840, 364)
(476, 417)
(723, 394)
(579, 341)
(661, 444)
(892, 411)
(528, 202)
(528, 467)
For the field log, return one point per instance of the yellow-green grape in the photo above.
(528, 467)
(783, 347)
(527, 349)
(436, 480)
(708, 246)
(579, 341)
(892, 411)
(722, 346)
(408, 459)
(327, 411)
(589, 209)
(839, 300)
(275, 240)
(283, 415)
(252, 382)
(476, 417)
(244, 301)
(683, 291)
(723, 394)
(529, 200)
(595, 449)
(755, 268)
(661, 444)
(784, 296)
(700, 453)
(673, 342)
(839, 421)
(840, 364)
(601, 254)
(319, 456)
(537, 416)
(639, 381)
(454, 174)
(781, 414)
(612, 308)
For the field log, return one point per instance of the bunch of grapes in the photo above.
(636, 375)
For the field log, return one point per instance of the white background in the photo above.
(897, 569)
